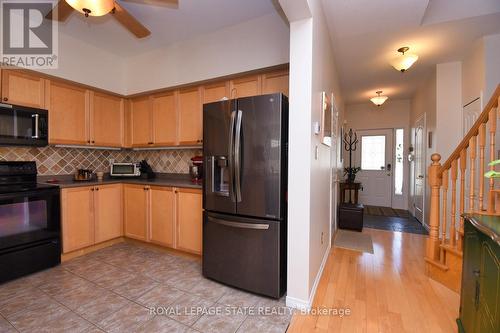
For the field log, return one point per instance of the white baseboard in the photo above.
(301, 304)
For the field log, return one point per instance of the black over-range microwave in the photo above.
(23, 126)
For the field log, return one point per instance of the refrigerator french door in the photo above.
(244, 227)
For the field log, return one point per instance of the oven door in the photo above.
(29, 217)
(23, 126)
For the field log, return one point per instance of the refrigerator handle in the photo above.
(258, 226)
(237, 156)
(230, 157)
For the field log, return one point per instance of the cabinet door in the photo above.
(488, 316)
(246, 86)
(136, 211)
(106, 120)
(215, 92)
(140, 109)
(108, 212)
(189, 220)
(23, 89)
(190, 117)
(164, 119)
(77, 218)
(275, 82)
(162, 216)
(68, 114)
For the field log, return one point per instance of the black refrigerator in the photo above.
(245, 149)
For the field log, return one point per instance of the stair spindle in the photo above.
(443, 222)
(492, 122)
(472, 173)
(482, 145)
(463, 167)
(453, 221)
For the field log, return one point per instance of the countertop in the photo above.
(487, 224)
(162, 179)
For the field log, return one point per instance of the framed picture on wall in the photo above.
(326, 119)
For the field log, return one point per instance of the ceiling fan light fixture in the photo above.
(92, 7)
(405, 60)
(379, 99)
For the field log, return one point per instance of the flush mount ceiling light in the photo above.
(92, 7)
(405, 60)
(378, 100)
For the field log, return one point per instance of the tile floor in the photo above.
(115, 289)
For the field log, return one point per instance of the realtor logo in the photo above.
(28, 40)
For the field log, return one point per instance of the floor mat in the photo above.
(352, 240)
(386, 211)
(409, 224)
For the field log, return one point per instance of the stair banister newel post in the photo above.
(435, 179)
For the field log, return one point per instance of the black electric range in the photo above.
(30, 223)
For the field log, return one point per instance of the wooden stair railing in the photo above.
(445, 240)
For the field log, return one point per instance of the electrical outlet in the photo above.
(322, 237)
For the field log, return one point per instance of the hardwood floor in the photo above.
(387, 291)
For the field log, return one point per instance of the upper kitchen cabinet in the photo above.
(246, 86)
(106, 120)
(141, 118)
(275, 82)
(164, 119)
(190, 117)
(215, 92)
(24, 89)
(68, 113)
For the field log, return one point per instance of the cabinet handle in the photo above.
(5, 99)
(92, 189)
(88, 141)
(97, 188)
(93, 141)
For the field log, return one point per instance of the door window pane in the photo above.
(398, 169)
(373, 152)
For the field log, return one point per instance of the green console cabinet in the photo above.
(480, 296)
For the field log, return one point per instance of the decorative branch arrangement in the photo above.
(350, 144)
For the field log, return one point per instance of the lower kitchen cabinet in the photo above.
(189, 220)
(136, 211)
(90, 215)
(162, 216)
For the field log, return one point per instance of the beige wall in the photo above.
(473, 80)
(392, 114)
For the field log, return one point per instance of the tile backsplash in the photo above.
(64, 161)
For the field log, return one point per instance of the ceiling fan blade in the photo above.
(130, 22)
(63, 11)
(167, 3)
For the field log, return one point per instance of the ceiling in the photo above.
(367, 33)
(167, 25)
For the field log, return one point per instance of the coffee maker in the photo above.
(196, 170)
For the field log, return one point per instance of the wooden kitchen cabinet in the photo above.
(275, 82)
(20, 88)
(164, 119)
(68, 113)
(136, 208)
(77, 207)
(246, 86)
(141, 119)
(106, 120)
(190, 117)
(215, 92)
(189, 220)
(162, 215)
(108, 212)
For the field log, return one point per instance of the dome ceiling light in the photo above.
(378, 100)
(92, 7)
(405, 60)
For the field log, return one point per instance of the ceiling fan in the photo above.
(64, 8)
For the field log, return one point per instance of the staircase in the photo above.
(449, 183)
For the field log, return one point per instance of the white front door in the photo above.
(419, 169)
(374, 156)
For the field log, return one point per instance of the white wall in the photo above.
(87, 64)
(258, 43)
(312, 70)
(473, 81)
(448, 108)
(391, 114)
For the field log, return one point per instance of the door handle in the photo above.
(237, 156)
(36, 119)
(230, 156)
(241, 225)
